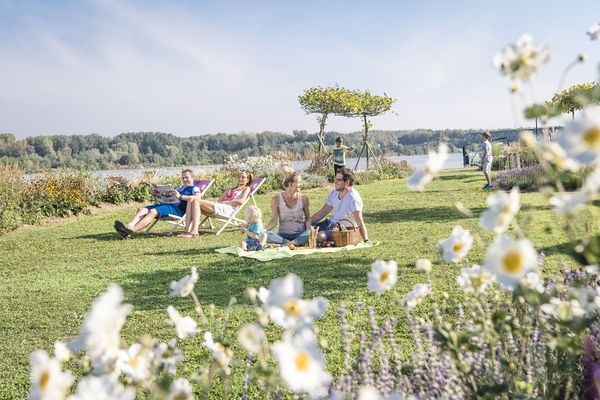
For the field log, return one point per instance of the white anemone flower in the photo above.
(594, 32)
(220, 354)
(522, 61)
(184, 326)
(167, 355)
(252, 338)
(587, 297)
(564, 310)
(185, 285)
(101, 332)
(180, 389)
(263, 294)
(105, 387)
(286, 306)
(419, 292)
(555, 154)
(383, 276)
(434, 164)
(591, 183)
(369, 393)
(456, 247)
(474, 279)
(510, 260)
(61, 352)
(301, 364)
(135, 363)
(581, 138)
(533, 281)
(566, 203)
(48, 381)
(423, 264)
(502, 209)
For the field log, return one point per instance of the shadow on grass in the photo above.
(103, 236)
(565, 248)
(455, 177)
(418, 214)
(334, 277)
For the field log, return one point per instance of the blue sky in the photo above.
(192, 67)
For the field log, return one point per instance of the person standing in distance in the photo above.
(486, 159)
(338, 153)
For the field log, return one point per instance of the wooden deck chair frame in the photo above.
(233, 220)
(175, 220)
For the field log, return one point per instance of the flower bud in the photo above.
(527, 139)
(423, 264)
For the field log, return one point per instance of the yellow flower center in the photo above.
(458, 247)
(219, 346)
(292, 307)
(384, 277)
(135, 361)
(591, 137)
(302, 360)
(512, 262)
(44, 380)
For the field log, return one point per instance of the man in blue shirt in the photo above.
(144, 215)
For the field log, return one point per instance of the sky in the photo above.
(198, 67)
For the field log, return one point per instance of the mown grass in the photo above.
(51, 274)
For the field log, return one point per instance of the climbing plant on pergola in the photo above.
(358, 104)
(323, 102)
(574, 98)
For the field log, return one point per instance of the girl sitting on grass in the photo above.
(256, 235)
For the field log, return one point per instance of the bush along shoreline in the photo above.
(65, 193)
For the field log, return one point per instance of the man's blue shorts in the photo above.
(166, 209)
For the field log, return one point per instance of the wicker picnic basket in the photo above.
(342, 235)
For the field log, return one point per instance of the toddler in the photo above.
(256, 236)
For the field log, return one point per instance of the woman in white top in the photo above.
(290, 210)
(226, 205)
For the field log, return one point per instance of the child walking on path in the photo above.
(486, 159)
(338, 153)
(256, 235)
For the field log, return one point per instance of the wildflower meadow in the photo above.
(470, 294)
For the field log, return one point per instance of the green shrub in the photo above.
(14, 207)
(311, 181)
(118, 191)
(395, 169)
(141, 192)
(61, 195)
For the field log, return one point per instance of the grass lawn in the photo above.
(51, 274)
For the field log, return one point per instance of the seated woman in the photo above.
(289, 210)
(226, 205)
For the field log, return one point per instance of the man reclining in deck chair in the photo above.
(145, 215)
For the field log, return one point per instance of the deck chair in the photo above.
(175, 220)
(233, 220)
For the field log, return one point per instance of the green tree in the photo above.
(323, 102)
(574, 98)
(357, 104)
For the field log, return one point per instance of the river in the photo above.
(454, 160)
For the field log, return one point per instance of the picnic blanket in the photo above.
(284, 252)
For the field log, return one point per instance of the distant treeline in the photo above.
(163, 149)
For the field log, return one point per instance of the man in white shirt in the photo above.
(345, 202)
(486, 159)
